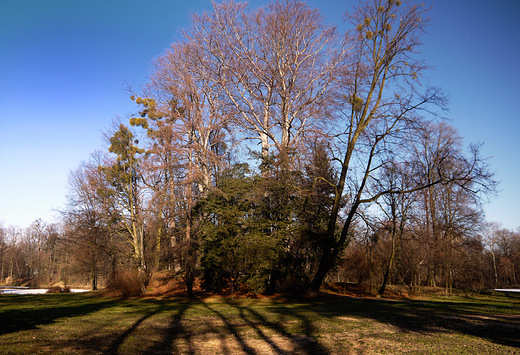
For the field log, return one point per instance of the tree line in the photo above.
(272, 152)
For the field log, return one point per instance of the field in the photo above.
(94, 324)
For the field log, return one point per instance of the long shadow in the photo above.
(430, 317)
(213, 330)
(233, 330)
(255, 326)
(111, 341)
(175, 330)
(15, 320)
(305, 343)
(114, 347)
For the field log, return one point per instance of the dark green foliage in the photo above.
(318, 200)
(122, 174)
(234, 238)
(270, 229)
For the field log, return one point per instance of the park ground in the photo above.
(343, 320)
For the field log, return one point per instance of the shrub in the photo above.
(127, 283)
(58, 289)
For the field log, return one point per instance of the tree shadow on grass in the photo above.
(114, 346)
(285, 324)
(233, 329)
(302, 343)
(431, 317)
(137, 335)
(175, 330)
(15, 320)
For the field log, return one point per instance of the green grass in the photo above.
(88, 324)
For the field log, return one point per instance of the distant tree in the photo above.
(502, 249)
(396, 209)
(452, 208)
(3, 252)
(43, 242)
(86, 223)
(12, 240)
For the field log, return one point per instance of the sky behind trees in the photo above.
(65, 66)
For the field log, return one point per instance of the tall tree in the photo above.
(189, 137)
(384, 112)
(382, 101)
(396, 212)
(275, 65)
(124, 190)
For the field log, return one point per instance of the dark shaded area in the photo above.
(428, 317)
(306, 342)
(30, 318)
(174, 330)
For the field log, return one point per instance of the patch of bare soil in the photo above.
(169, 284)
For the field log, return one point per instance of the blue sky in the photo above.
(64, 66)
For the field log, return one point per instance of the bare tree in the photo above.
(396, 209)
(381, 102)
(275, 66)
(452, 208)
(189, 105)
(188, 137)
(86, 222)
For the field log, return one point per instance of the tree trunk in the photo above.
(388, 270)
(93, 277)
(158, 248)
(495, 267)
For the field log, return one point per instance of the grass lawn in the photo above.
(90, 324)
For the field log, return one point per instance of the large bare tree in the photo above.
(382, 103)
(276, 66)
(189, 139)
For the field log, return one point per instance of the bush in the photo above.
(127, 283)
(58, 289)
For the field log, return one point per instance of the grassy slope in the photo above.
(89, 324)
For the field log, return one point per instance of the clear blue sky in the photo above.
(64, 64)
